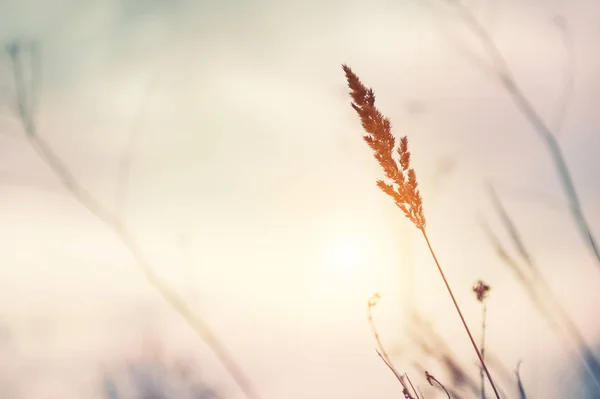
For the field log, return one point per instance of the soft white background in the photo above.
(249, 170)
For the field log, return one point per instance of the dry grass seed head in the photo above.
(393, 155)
(481, 290)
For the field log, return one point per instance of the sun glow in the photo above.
(352, 262)
(346, 255)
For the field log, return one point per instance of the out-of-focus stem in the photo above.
(437, 263)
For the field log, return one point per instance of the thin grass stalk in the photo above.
(412, 386)
(401, 182)
(564, 99)
(382, 352)
(507, 80)
(115, 224)
(528, 284)
(421, 333)
(423, 330)
(586, 354)
(460, 314)
(499, 367)
(431, 379)
(371, 304)
(483, 325)
(481, 291)
(399, 377)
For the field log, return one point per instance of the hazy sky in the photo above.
(251, 186)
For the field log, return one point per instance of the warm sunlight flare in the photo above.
(346, 255)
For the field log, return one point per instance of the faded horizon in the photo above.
(253, 194)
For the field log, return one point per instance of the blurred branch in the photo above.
(431, 344)
(522, 394)
(512, 229)
(505, 77)
(114, 222)
(531, 195)
(151, 378)
(526, 281)
(564, 99)
(538, 280)
(464, 51)
(124, 169)
(500, 368)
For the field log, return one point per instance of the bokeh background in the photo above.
(254, 196)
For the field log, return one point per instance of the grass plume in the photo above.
(401, 184)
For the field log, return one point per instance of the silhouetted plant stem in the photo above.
(412, 386)
(483, 325)
(522, 394)
(537, 282)
(400, 182)
(524, 105)
(431, 379)
(400, 378)
(372, 303)
(383, 353)
(437, 263)
(426, 338)
(481, 292)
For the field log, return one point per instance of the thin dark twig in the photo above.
(400, 378)
(431, 379)
(453, 393)
(412, 386)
